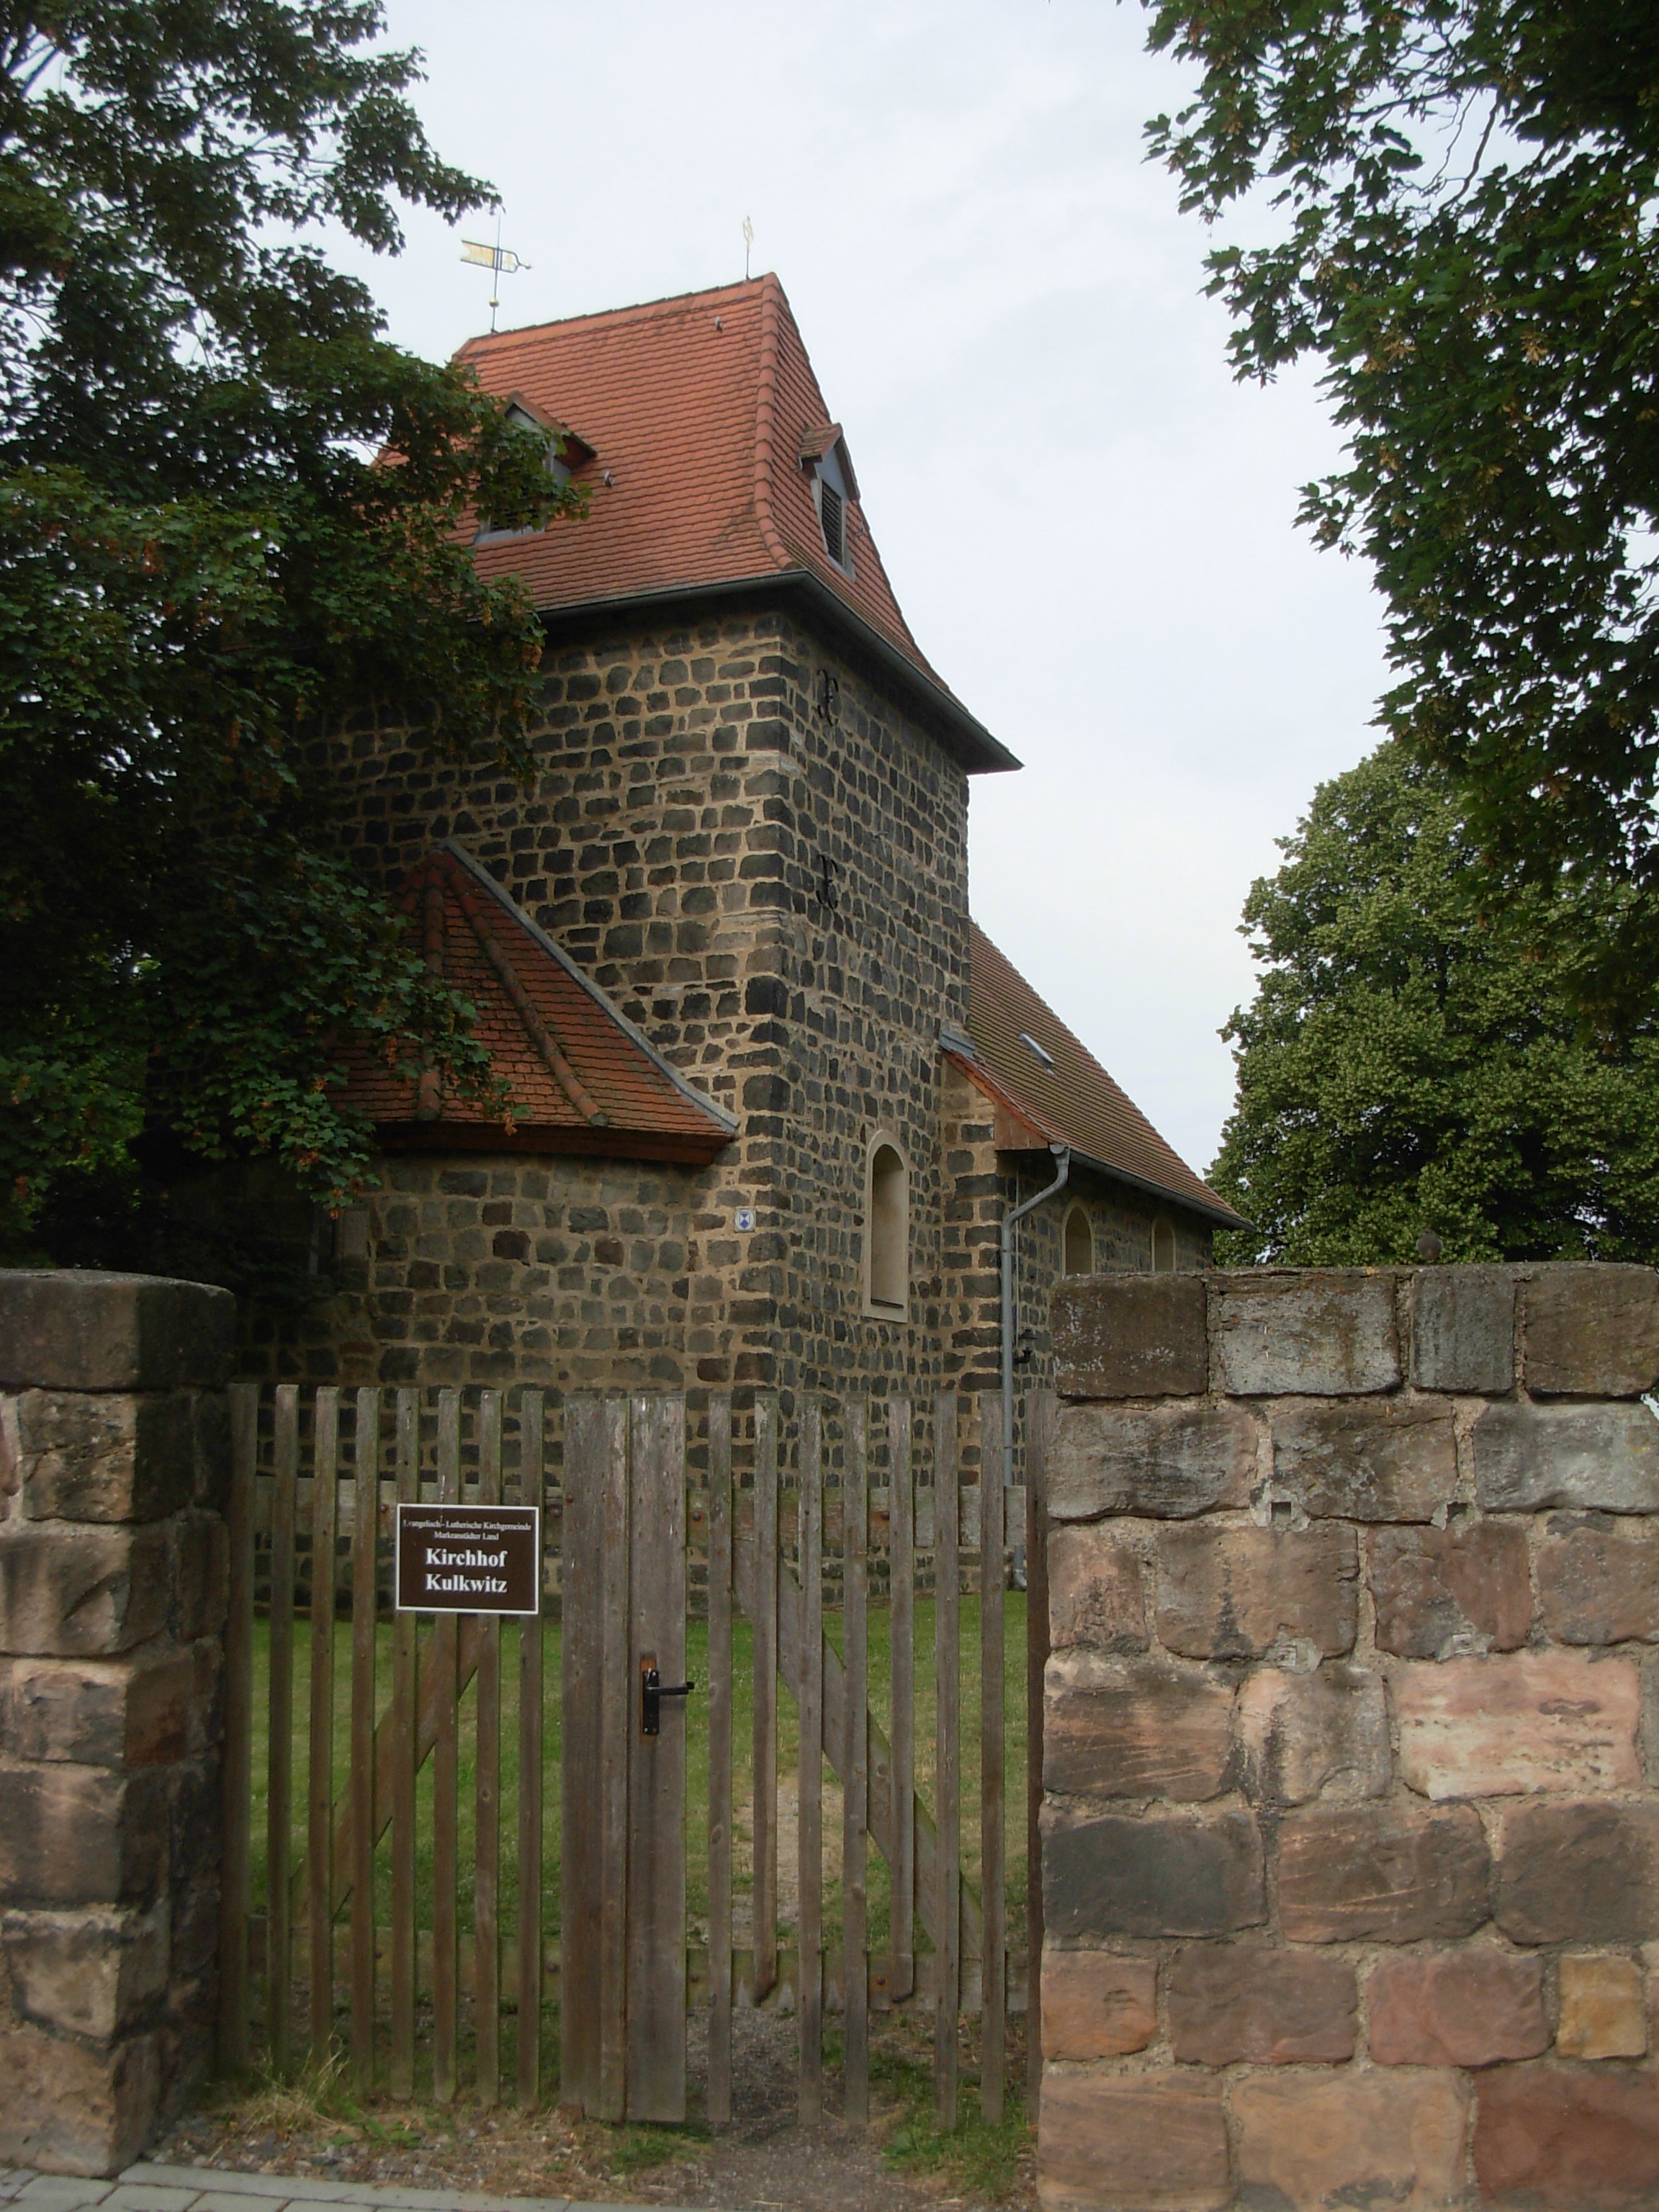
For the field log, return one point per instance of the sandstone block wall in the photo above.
(1351, 1764)
(113, 1455)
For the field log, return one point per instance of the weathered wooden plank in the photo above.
(656, 1836)
(810, 1775)
(992, 2065)
(1036, 1661)
(720, 1760)
(399, 1797)
(319, 1914)
(902, 1563)
(446, 1785)
(855, 1793)
(366, 1467)
(528, 1984)
(236, 1876)
(947, 1594)
(279, 1780)
(764, 1617)
(487, 1833)
(593, 1774)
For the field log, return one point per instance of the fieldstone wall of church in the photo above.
(1351, 1862)
(770, 876)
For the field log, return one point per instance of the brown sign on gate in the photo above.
(469, 1559)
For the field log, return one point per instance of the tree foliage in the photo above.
(204, 564)
(1411, 1061)
(1464, 196)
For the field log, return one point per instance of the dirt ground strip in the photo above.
(764, 2160)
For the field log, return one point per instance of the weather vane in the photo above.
(498, 259)
(748, 246)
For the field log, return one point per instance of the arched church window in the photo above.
(1164, 1248)
(887, 1237)
(1079, 1244)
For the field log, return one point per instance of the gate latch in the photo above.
(652, 1691)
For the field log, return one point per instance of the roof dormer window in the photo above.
(565, 454)
(823, 454)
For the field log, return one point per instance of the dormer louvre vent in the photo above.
(831, 512)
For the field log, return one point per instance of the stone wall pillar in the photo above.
(1352, 1762)
(113, 1462)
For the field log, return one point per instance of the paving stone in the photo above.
(63, 2192)
(1232, 1593)
(1323, 1734)
(1169, 1463)
(71, 2110)
(1462, 1329)
(1598, 1580)
(1094, 1593)
(1517, 1722)
(65, 1329)
(1156, 2141)
(1314, 2142)
(1384, 1458)
(1579, 1873)
(1097, 2004)
(1602, 2010)
(1321, 1331)
(1529, 1459)
(75, 1592)
(1233, 2002)
(1130, 1336)
(1387, 1873)
(1474, 2007)
(1592, 1330)
(1126, 1727)
(1440, 1591)
(1559, 2139)
(149, 2197)
(1200, 1874)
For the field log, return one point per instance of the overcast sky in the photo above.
(1089, 526)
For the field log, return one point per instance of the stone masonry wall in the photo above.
(113, 1455)
(1351, 1764)
(779, 898)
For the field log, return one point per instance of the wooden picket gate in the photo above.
(367, 1898)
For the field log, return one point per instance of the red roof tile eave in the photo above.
(982, 754)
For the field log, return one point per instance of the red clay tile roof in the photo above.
(696, 409)
(1073, 1102)
(583, 1078)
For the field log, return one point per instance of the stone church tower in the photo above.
(776, 1090)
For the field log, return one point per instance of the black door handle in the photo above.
(652, 1691)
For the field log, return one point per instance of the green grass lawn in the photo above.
(695, 1721)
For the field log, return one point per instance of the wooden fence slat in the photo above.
(656, 1794)
(720, 1758)
(236, 1876)
(365, 1530)
(855, 1947)
(320, 1901)
(404, 1691)
(445, 1781)
(279, 1784)
(947, 1958)
(993, 2064)
(810, 1778)
(528, 1979)
(487, 1835)
(902, 1563)
(765, 1617)
(598, 1701)
(1036, 1661)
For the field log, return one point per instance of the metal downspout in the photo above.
(1063, 1154)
